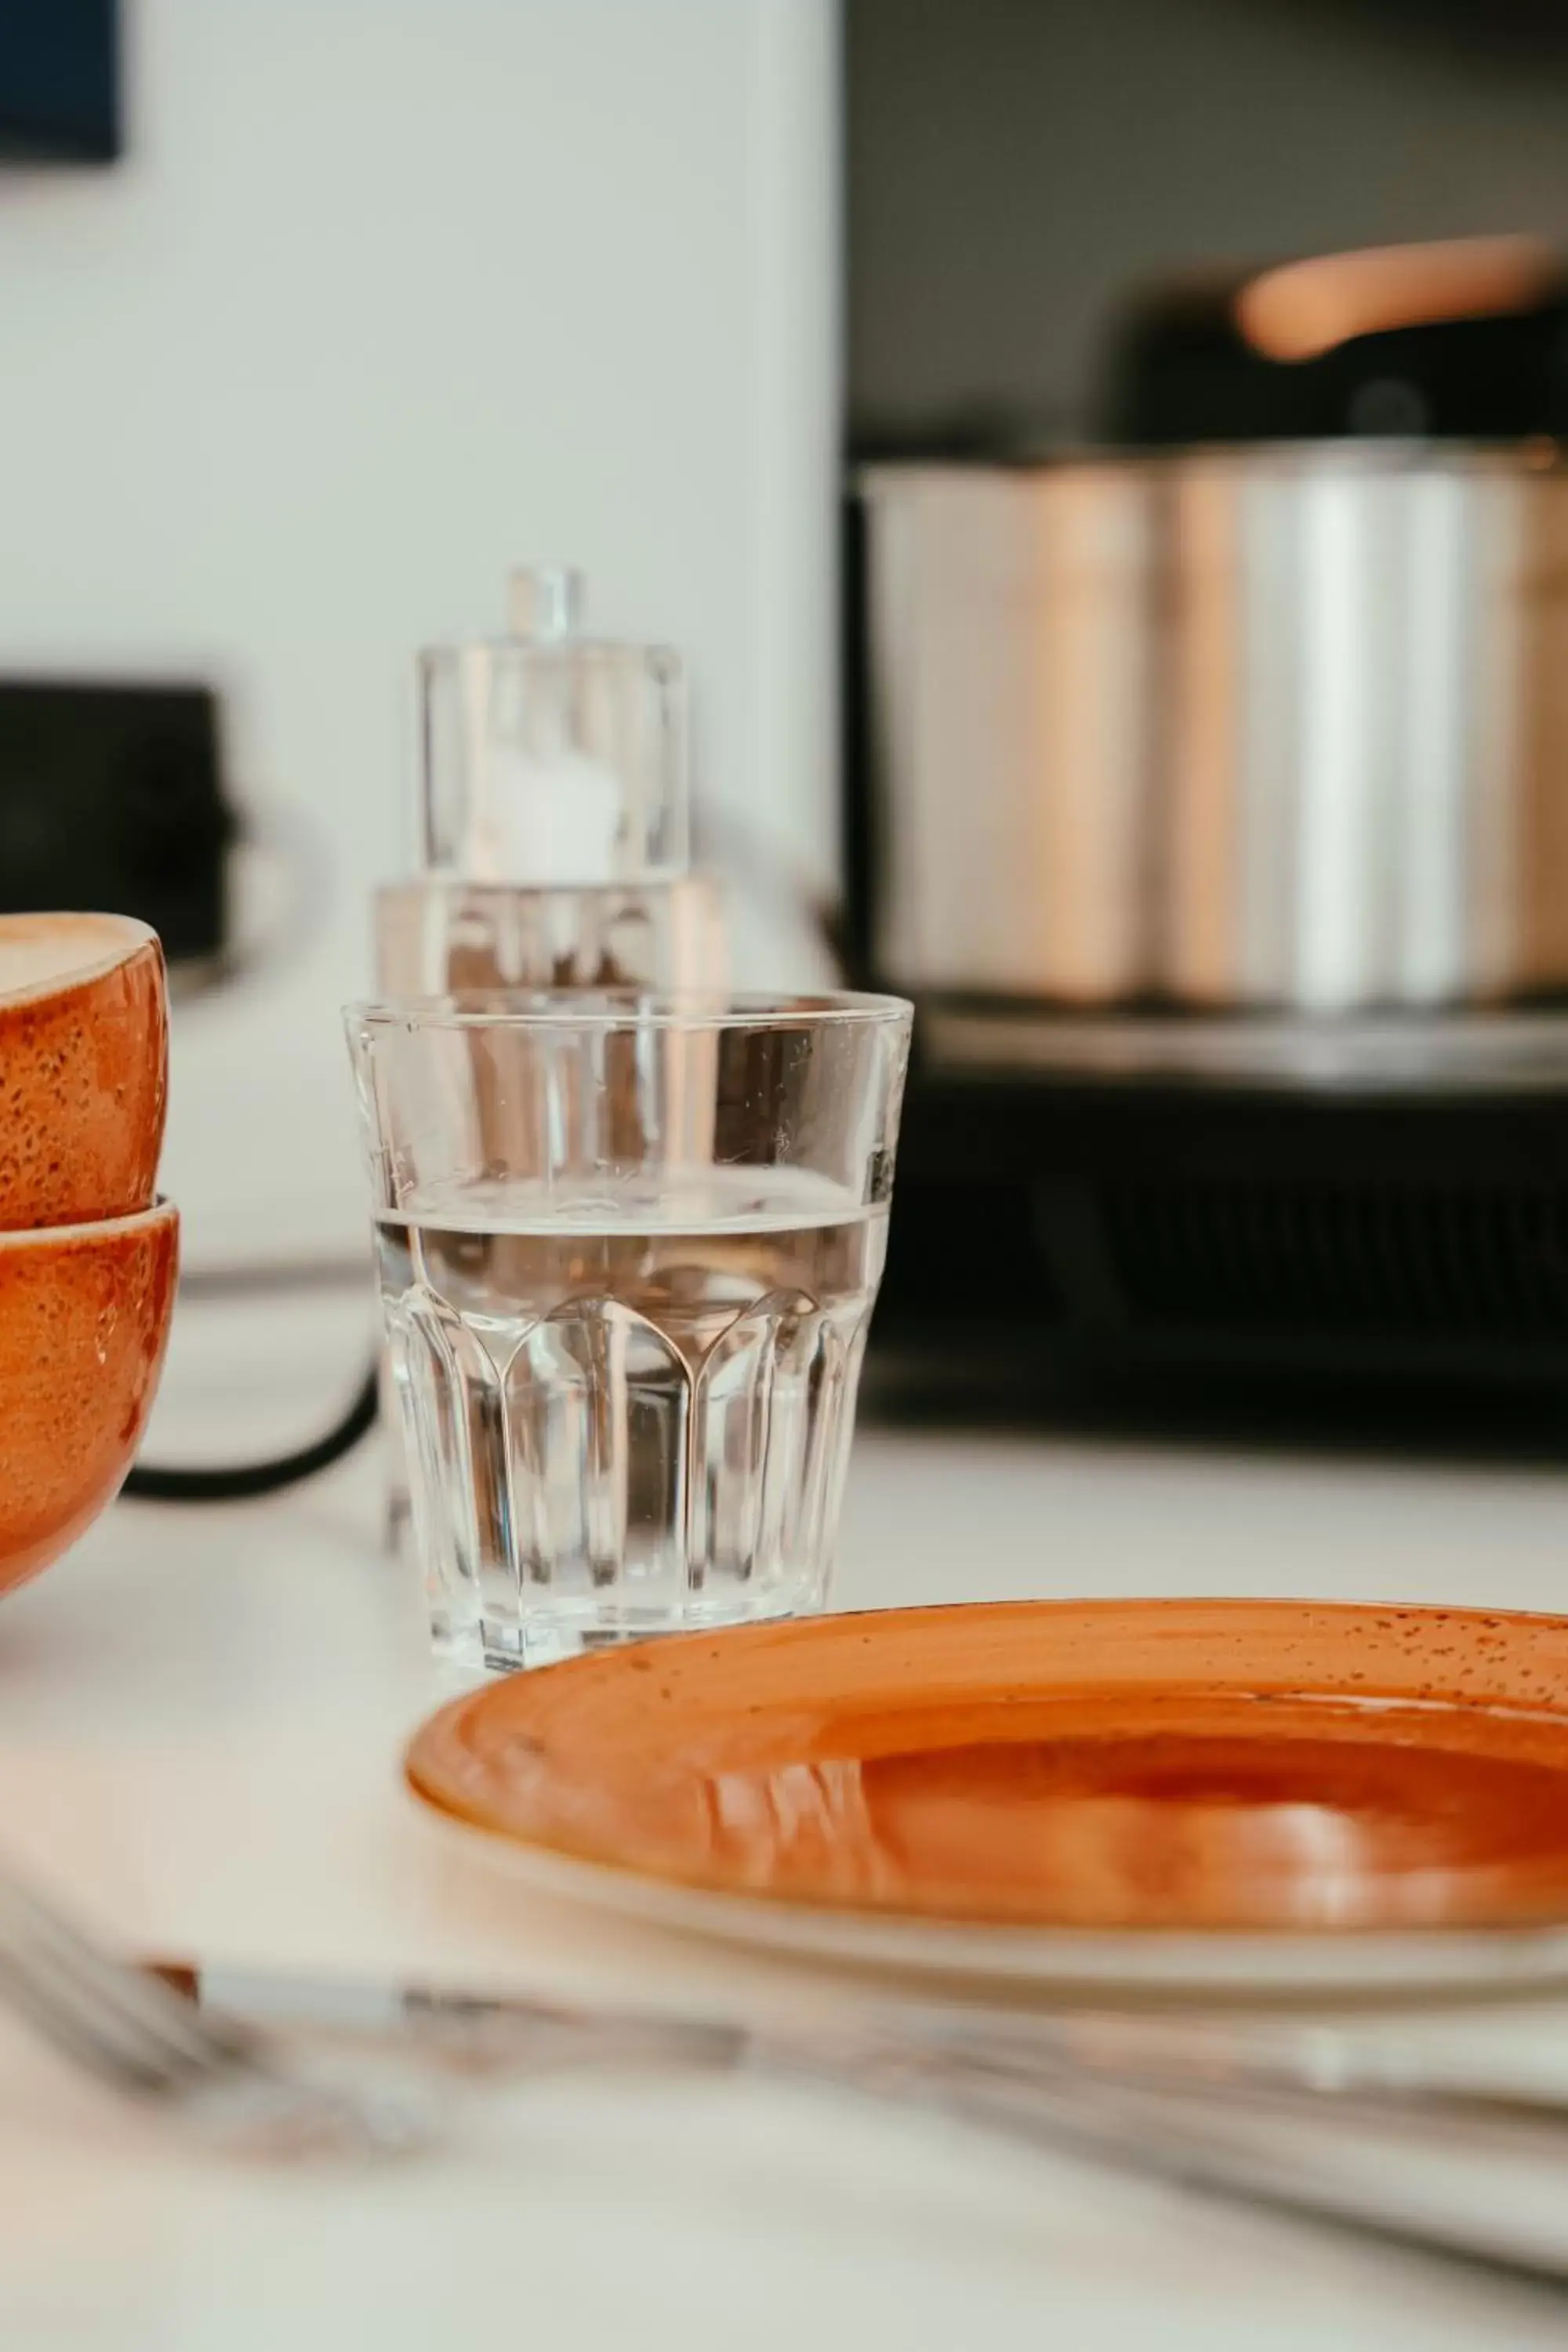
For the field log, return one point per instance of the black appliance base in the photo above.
(1149, 1228)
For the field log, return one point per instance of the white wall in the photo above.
(388, 295)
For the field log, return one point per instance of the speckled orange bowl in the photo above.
(84, 1317)
(83, 1068)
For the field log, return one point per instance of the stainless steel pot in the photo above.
(1275, 728)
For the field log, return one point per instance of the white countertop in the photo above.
(200, 1715)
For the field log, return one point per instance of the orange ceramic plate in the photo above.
(1150, 1788)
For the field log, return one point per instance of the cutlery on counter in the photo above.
(1299, 2121)
(243, 2090)
(489, 2034)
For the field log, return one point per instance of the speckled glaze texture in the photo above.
(84, 1076)
(1161, 1765)
(84, 1317)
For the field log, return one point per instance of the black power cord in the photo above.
(242, 1483)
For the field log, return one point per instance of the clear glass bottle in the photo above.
(556, 843)
(555, 816)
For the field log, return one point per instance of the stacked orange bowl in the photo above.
(88, 1253)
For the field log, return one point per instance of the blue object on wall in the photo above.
(60, 81)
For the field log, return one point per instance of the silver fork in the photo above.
(250, 2091)
(239, 2089)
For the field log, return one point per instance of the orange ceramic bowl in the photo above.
(84, 1317)
(83, 1068)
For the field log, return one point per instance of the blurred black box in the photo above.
(60, 81)
(111, 799)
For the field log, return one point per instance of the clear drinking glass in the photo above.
(628, 1248)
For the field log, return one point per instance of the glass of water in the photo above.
(628, 1248)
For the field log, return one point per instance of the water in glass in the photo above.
(629, 1401)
